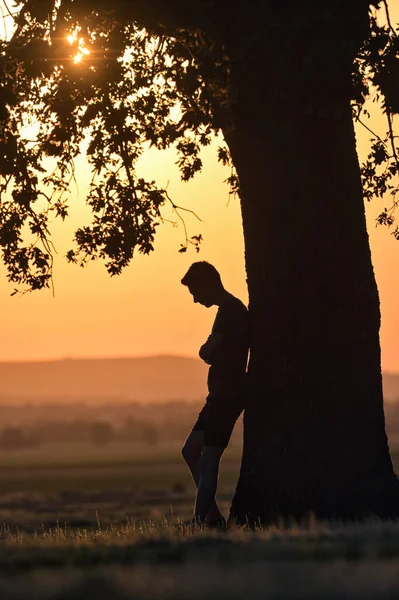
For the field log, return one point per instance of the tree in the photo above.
(102, 433)
(14, 438)
(282, 82)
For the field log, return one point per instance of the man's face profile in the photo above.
(202, 294)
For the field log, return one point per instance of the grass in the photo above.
(82, 523)
(149, 560)
(151, 541)
(121, 482)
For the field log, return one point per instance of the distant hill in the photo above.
(148, 379)
(156, 378)
(391, 386)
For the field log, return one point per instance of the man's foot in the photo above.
(219, 524)
(193, 522)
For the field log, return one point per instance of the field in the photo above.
(105, 521)
(75, 484)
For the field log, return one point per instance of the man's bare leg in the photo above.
(192, 455)
(207, 484)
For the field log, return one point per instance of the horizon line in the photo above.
(70, 358)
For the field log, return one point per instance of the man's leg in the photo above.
(191, 451)
(207, 483)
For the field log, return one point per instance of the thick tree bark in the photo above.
(314, 435)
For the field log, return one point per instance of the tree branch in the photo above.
(389, 18)
(159, 15)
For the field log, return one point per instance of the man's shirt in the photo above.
(228, 360)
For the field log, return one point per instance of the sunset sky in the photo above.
(146, 310)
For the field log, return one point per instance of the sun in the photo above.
(72, 38)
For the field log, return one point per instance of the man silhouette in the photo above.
(226, 351)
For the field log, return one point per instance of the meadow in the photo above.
(82, 519)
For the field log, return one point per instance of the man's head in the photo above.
(204, 283)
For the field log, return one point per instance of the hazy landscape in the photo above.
(94, 495)
(93, 500)
(153, 378)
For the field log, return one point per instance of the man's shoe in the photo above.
(219, 524)
(192, 523)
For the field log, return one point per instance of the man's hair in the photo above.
(202, 272)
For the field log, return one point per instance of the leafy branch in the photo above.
(90, 80)
(377, 72)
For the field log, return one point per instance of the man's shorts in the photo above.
(217, 420)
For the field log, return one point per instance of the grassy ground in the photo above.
(166, 561)
(81, 522)
(74, 483)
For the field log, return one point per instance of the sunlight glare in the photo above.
(72, 38)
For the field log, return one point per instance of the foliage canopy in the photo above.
(111, 79)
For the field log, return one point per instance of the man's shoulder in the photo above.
(234, 307)
(237, 304)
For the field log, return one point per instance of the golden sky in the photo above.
(146, 310)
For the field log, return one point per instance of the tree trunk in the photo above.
(314, 433)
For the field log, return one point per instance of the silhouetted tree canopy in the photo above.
(109, 79)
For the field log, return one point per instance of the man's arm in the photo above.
(208, 349)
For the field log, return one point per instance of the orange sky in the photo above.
(146, 310)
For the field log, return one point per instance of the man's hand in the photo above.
(207, 349)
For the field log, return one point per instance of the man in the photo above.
(226, 351)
